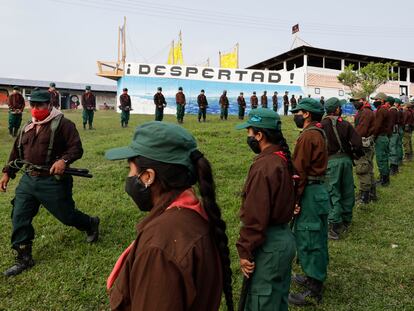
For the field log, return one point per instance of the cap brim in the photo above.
(244, 125)
(120, 153)
(295, 109)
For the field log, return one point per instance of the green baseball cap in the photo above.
(159, 141)
(88, 87)
(332, 103)
(309, 104)
(397, 100)
(52, 84)
(262, 118)
(390, 100)
(16, 88)
(39, 96)
(380, 95)
(357, 96)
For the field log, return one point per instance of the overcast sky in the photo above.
(61, 40)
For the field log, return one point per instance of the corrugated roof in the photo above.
(59, 85)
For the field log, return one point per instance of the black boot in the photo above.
(373, 193)
(84, 126)
(311, 295)
(24, 260)
(334, 230)
(393, 169)
(93, 234)
(10, 132)
(365, 197)
(301, 280)
(385, 180)
(15, 131)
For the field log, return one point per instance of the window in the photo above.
(294, 63)
(403, 74)
(333, 63)
(277, 67)
(341, 93)
(412, 75)
(351, 62)
(315, 61)
(317, 90)
(362, 64)
(394, 70)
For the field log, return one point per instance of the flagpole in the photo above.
(237, 45)
(219, 59)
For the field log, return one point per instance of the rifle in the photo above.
(27, 166)
(243, 293)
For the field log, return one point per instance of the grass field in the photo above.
(370, 269)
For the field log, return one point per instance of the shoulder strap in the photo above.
(19, 145)
(320, 130)
(334, 121)
(53, 126)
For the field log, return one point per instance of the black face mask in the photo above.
(253, 144)
(299, 120)
(358, 105)
(377, 104)
(140, 194)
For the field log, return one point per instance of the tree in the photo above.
(368, 79)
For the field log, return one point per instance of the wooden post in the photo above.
(237, 46)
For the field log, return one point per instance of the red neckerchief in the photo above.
(281, 155)
(187, 199)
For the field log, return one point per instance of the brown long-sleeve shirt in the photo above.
(180, 98)
(241, 101)
(393, 119)
(381, 123)
(285, 100)
(275, 101)
(67, 144)
(351, 141)
(88, 101)
(268, 199)
(224, 101)
(263, 101)
(174, 266)
(254, 101)
(54, 98)
(364, 122)
(408, 115)
(125, 101)
(310, 157)
(202, 101)
(16, 102)
(159, 100)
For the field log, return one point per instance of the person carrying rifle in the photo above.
(266, 245)
(49, 139)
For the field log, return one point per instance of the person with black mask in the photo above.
(310, 160)
(181, 249)
(267, 207)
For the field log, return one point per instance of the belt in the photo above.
(338, 155)
(38, 173)
(315, 182)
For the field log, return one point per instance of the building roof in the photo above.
(302, 50)
(59, 85)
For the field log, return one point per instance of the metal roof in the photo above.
(59, 85)
(308, 50)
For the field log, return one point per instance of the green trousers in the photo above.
(400, 145)
(270, 283)
(159, 114)
(87, 116)
(275, 108)
(202, 113)
(124, 117)
(408, 147)
(241, 112)
(55, 195)
(311, 231)
(224, 112)
(393, 155)
(341, 189)
(364, 169)
(382, 154)
(15, 120)
(180, 112)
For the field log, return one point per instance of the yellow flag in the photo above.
(230, 60)
(175, 56)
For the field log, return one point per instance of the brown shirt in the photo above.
(125, 101)
(241, 101)
(381, 124)
(180, 98)
(408, 117)
(285, 100)
(174, 266)
(202, 101)
(254, 101)
(310, 157)
(268, 199)
(263, 100)
(159, 100)
(67, 144)
(393, 119)
(275, 101)
(224, 101)
(364, 122)
(88, 101)
(16, 102)
(351, 141)
(54, 98)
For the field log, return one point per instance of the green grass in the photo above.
(365, 272)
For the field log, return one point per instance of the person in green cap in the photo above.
(310, 160)
(408, 130)
(395, 136)
(400, 152)
(224, 106)
(54, 95)
(344, 145)
(364, 167)
(51, 140)
(88, 102)
(180, 101)
(242, 105)
(160, 104)
(202, 106)
(16, 105)
(267, 208)
(181, 250)
(382, 131)
(125, 106)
